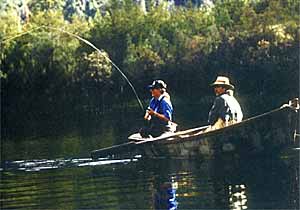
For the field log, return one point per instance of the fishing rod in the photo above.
(86, 42)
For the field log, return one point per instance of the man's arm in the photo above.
(167, 112)
(215, 112)
(160, 116)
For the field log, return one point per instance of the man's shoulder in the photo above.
(228, 97)
(152, 102)
(220, 98)
(166, 101)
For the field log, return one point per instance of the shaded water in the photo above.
(56, 172)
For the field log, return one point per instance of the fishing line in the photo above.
(21, 34)
(88, 43)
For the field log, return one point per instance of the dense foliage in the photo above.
(48, 74)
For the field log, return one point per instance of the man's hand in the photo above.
(147, 116)
(151, 112)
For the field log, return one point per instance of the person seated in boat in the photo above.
(226, 110)
(159, 113)
(239, 113)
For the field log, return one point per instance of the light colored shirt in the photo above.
(225, 107)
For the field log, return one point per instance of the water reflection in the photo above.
(237, 197)
(150, 184)
(138, 183)
(164, 194)
(258, 183)
(37, 165)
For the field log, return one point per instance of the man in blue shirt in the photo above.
(226, 109)
(159, 112)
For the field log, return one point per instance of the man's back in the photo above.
(234, 107)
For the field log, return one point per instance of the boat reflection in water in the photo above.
(232, 184)
(165, 196)
(253, 183)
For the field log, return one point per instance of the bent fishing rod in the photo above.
(86, 42)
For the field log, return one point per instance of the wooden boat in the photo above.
(267, 134)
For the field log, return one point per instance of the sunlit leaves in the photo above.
(242, 39)
(143, 61)
(98, 67)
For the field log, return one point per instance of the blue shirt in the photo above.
(162, 106)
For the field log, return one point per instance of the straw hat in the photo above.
(222, 81)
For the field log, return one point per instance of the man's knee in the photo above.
(144, 132)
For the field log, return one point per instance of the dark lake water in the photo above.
(56, 172)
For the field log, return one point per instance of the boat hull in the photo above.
(267, 134)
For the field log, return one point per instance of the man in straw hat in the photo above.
(226, 110)
(159, 112)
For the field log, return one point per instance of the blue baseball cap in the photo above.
(157, 84)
